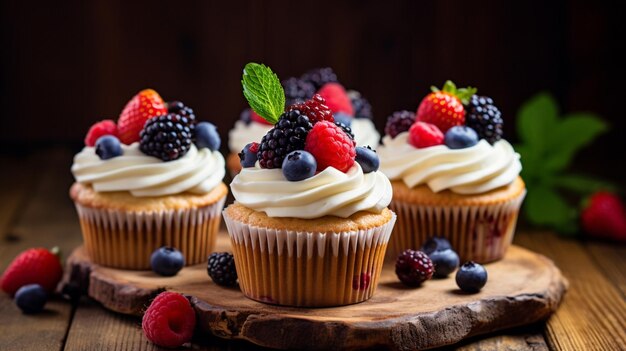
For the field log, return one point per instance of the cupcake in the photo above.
(310, 224)
(152, 179)
(348, 107)
(453, 175)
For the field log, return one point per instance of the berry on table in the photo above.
(207, 136)
(330, 146)
(289, 134)
(167, 137)
(221, 268)
(485, 118)
(31, 298)
(367, 159)
(604, 217)
(360, 105)
(106, 127)
(320, 76)
(343, 118)
(248, 156)
(398, 122)
(435, 243)
(299, 165)
(169, 321)
(297, 90)
(143, 106)
(444, 108)
(414, 267)
(422, 134)
(336, 98)
(33, 266)
(315, 109)
(471, 277)
(167, 261)
(445, 262)
(460, 137)
(108, 147)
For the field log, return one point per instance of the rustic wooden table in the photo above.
(35, 211)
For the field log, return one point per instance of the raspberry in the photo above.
(330, 146)
(398, 122)
(336, 98)
(221, 269)
(360, 105)
(33, 266)
(320, 76)
(143, 106)
(297, 90)
(414, 267)
(288, 135)
(424, 134)
(315, 109)
(167, 137)
(170, 320)
(105, 127)
(485, 118)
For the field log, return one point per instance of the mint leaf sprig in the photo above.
(263, 91)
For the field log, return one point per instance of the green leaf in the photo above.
(464, 94)
(536, 120)
(531, 163)
(545, 207)
(263, 91)
(581, 184)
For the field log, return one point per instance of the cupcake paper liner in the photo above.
(481, 233)
(126, 239)
(308, 269)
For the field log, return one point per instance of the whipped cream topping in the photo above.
(473, 170)
(243, 133)
(365, 133)
(198, 171)
(330, 192)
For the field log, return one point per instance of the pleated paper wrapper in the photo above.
(481, 233)
(308, 269)
(126, 239)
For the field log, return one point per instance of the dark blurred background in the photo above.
(67, 64)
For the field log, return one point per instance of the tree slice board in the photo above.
(523, 288)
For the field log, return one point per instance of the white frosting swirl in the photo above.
(330, 192)
(199, 171)
(473, 170)
(243, 133)
(365, 133)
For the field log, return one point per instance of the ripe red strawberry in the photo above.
(33, 266)
(444, 108)
(315, 109)
(256, 118)
(605, 217)
(170, 320)
(336, 98)
(330, 146)
(105, 127)
(143, 106)
(423, 134)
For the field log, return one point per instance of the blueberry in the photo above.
(460, 137)
(367, 159)
(343, 118)
(436, 243)
(167, 261)
(107, 147)
(245, 116)
(299, 165)
(31, 298)
(445, 261)
(471, 277)
(248, 156)
(207, 136)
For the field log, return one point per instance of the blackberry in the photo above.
(362, 107)
(181, 109)
(398, 122)
(289, 134)
(485, 118)
(345, 129)
(167, 137)
(414, 267)
(320, 76)
(297, 90)
(221, 269)
(315, 109)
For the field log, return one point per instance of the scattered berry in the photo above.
(485, 118)
(143, 106)
(167, 261)
(360, 105)
(299, 165)
(167, 137)
(445, 262)
(604, 216)
(258, 119)
(320, 76)
(221, 269)
(361, 281)
(207, 136)
(246, 116)
(460, 137)
(414, 267)
(169, 321)
(436, 243)
(444, 108)
(289, 134)
(248, 156)
(346, 129)
(106, 127)
(336, 98)
(315, 109)
(343, 118)
(398, 122)
(367, 159)
(33, 266)
(108, 147)
(181, 109)
(297, 90)
(424, 134)
(31, 298)
(471, 277)
(330, 146)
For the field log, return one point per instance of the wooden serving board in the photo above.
(523, 288)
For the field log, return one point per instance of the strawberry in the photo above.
(102, 128)
(33, 266)
(256, 118)
(143, 106)
(604, 216)
(444, 108)
(336, 98)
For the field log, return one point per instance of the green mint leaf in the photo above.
(536, 120)
(545, 207)
(263, 91)
(581, 184)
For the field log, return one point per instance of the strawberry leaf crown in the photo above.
(463, 94)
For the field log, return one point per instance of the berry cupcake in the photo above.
(348, 107)
(453, 175)
(310, 224)
(152, 179)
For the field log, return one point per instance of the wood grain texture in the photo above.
(611, 259)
